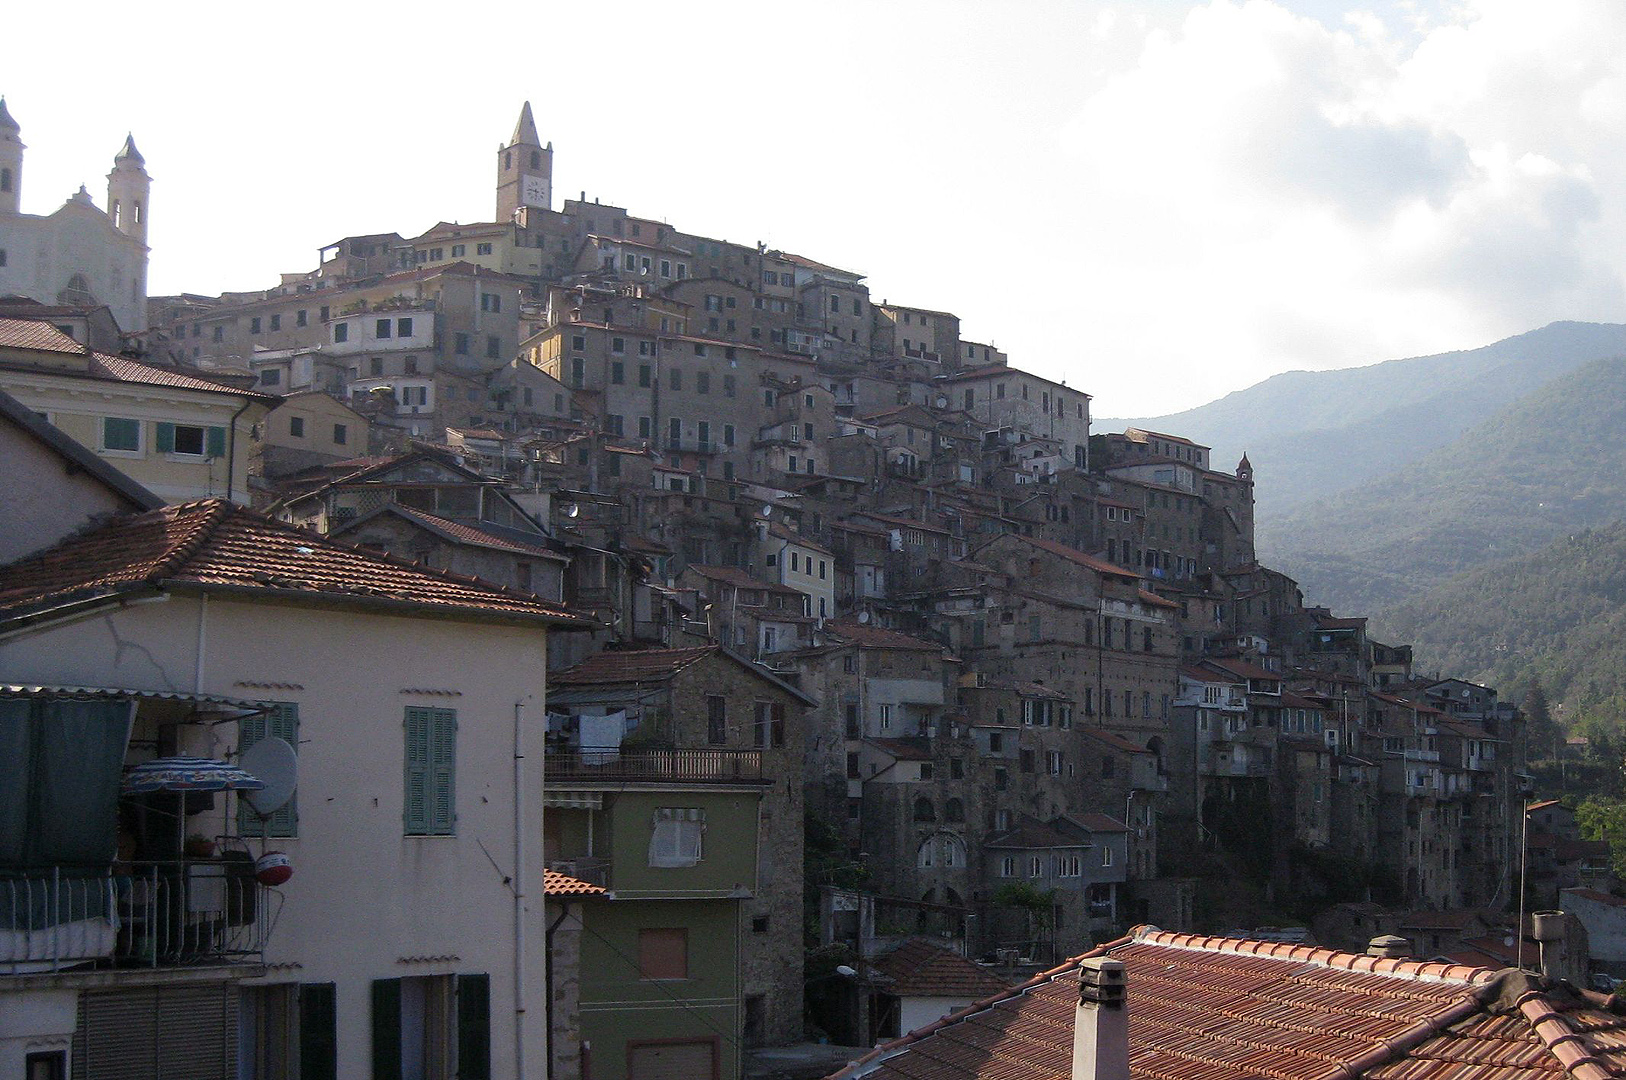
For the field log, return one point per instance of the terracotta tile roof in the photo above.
(1073, 555)
(1544, 804)
(733, 575)
(1242, 669)
(1114, 740)
(1156, 600)
(36, 336)
(920, 968)
(877, 637)
(557, 884)
(216, 545)
(904, 749)
(631, 666)
(470, 534)
(1206, 1008)
(129, 371)
(1201, 1009)
(1030, 832)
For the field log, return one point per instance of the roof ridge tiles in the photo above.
(1426, 970)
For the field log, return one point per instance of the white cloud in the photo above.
(1262, 191)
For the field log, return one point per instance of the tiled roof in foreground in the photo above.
(1207, 1008)
(557, 884)
(216, 545)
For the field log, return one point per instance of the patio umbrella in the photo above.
(183, 774)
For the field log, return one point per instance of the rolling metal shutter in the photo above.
(157, 1033)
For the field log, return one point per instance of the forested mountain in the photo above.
(1311, 434)
(1552, 463)
(1557, 616)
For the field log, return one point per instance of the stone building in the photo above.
(704, 716)
(82, 255)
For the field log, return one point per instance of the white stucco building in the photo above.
(409, 940)
(80, 255)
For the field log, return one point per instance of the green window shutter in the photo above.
(443, 772)
(166, 437)
(386, 1029)
(473, 1027)
(216, 446)
(415, 804)
(281, 722)
(318, 1033)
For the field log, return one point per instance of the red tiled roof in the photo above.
(1156, 600)
(557, 884)
(631, 666)
(469, 534)
(1241, 668)
(904, 749)
(1114, 740)
(36, 336)
(1207, 1008)
(1073, 555)
(216, 545)
(733, 575)
(119, 369)
(920, 968)
(876, 637)
(1030, 832)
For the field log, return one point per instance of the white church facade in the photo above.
(82, 255)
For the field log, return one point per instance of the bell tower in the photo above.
(524, 170)
(11, 162)
(128, 188)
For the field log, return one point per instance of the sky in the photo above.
(1158, 202)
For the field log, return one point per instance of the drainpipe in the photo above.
(518, 889)
(231, 448)
(564, 913)
(203, 635)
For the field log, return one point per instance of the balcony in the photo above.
(655, 766)
(173, 913)
(592, 869)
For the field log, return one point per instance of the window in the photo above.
(381, 328)
(716, 720)
(341, 332)
(1106, 856)
(458, 250)
(403, 327)
(769, 728)
(1007, 866)
(674, 379)
(121, 435)
(493, 346)
(482, 249)
(276, 322)
(460, 344)
(430, 807)
(218, 334)
(490, 302)
(341, 434)
(676, 836)
(271, 377)
(644, 375)
(663, 953)
(296, 427)
(852, 764)
(886, 717)
(429, 1027)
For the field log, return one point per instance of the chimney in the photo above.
(1391, 946)
(1548, 928)
(1101, 1022)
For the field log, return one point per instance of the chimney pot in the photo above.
(1546, 926)
(1101, 1022)
(1391, 946)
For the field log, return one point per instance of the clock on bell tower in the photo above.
(524, 170)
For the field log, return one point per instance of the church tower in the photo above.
(524, 170)
(128, 188)
(11, 162)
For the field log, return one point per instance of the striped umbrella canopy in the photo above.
(188, 774)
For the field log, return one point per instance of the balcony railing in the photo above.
(670, 765)
(136, 915)
(589, 868)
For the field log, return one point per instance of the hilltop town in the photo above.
(771, 629)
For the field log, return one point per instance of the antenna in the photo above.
(274, 762)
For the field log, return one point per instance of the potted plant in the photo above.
(199, 846)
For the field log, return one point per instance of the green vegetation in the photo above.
(1550, 465)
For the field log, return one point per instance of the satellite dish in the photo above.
(863, 617)
(571, 510)
(273, 761)
(767, 511)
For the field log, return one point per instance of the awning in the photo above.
(211, 703)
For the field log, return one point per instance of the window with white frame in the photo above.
(676, 836)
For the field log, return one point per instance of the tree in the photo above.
(1605, 819)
